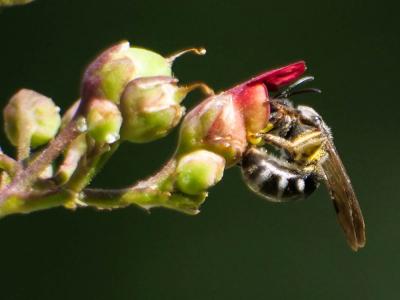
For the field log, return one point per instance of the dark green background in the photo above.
(239, 247)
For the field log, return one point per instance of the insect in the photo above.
(289, 159)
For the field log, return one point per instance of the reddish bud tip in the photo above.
(276, 78)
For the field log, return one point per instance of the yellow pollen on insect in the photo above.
(267, 128)
(316, 155)
(254, 138)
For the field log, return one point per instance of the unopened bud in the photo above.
(107, 76)
(217, 125)
(104, 121)
(151, 107)
(198, 171)
(31, 118)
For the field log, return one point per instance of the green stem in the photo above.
(157, 191)
(30, 202)
(8, 164)
(24, 179)
(144, 198)
(89, 168)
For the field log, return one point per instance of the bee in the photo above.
(289, 159)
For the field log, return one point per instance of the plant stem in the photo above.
(89, 168)
(24, 179)
(156, 191)
(29, 202)
(8, 164)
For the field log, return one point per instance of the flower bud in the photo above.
(150, 108)
(217, 125)
(104, 121)
(107, 76)
(198, 171)
(31, 118)
(143, 78)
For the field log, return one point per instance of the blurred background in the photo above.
(239, 246)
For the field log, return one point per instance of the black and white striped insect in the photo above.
(288, 160)
(276, 179)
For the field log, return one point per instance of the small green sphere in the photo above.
(32, 116)
(198, 171)
(104, 121)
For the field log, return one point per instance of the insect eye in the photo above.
(317, 119)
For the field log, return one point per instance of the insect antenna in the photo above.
(305, 91)
(290, 90)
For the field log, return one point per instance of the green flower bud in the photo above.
(150, 107)
(148, 63)
(198, 171)
(107, 76)
(216, 125)
(31, 118)
(104, 121)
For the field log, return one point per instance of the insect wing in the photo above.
(347, 208)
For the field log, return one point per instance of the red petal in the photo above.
(254, 104)
(276, 78)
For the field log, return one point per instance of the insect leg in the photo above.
(306, 148)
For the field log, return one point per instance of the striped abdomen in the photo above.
(275, 179)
